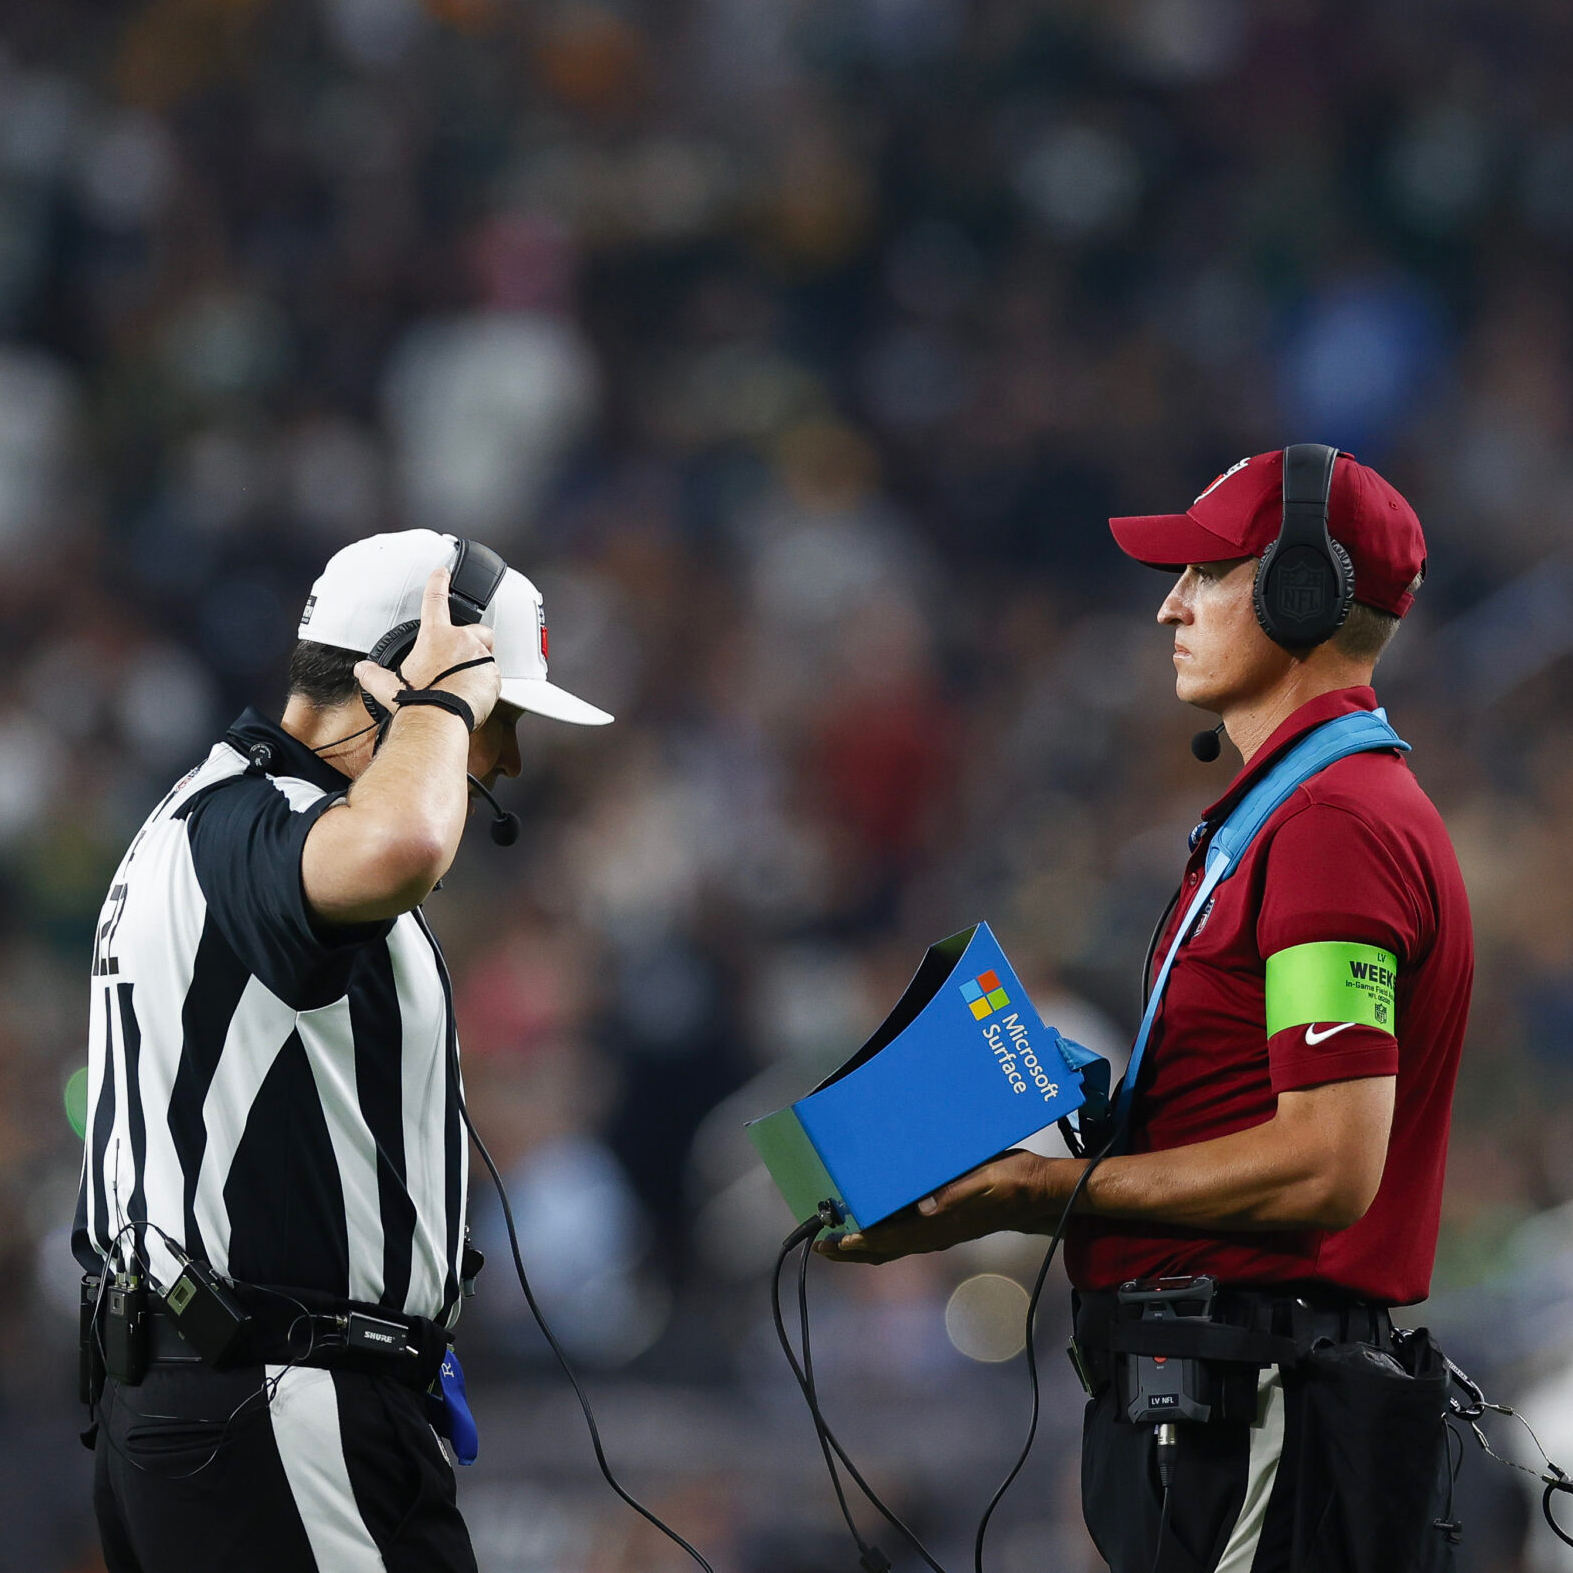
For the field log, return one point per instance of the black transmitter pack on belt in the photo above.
(123, 1328)
(372, 1335)
(90, 1369)
(207, 1313)
(1156, 1388)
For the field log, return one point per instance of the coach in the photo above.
(1283, 1145)
(275, 1094)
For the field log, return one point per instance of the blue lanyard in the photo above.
(1360, 732)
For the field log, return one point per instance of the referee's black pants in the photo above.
(273, 1469)
(1345, 1470)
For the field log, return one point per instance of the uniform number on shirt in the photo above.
(104, 962)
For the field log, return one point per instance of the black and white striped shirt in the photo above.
(271, 1092)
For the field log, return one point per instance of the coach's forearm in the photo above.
(1306, 1168)
(1231, 1182)
(1317, 1164)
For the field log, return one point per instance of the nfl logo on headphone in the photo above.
(1302, 591)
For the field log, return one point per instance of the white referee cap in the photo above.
(372, 586)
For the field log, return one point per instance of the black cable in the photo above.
(804, 1235)
(1032, 1352)
(505, 826)
(814, 1227)
(443, 698)
(811, 1391)
(557, 1348)
(1450, 1526)
(322, 748)
(1043, 1272)
(463, 666)
(518, 1264)
(873, 1559)
(1552, 1488)
(1163, 1527)
(1152, 946)
(1556, 1480)
(265, 1390)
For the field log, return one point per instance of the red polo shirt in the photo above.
(1358, 854)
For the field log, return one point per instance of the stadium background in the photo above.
(799, 349)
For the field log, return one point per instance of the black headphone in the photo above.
(1305, 583)
(477, 572)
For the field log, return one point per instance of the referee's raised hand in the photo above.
(438, 647)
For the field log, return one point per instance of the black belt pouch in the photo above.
(1373, 1459)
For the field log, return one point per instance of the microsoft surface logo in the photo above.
(984, 995)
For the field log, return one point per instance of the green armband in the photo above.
(1331, 981)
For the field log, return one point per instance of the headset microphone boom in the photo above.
(505, 827)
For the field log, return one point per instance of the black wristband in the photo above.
(440, 697)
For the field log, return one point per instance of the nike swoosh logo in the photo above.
(1313, 1037)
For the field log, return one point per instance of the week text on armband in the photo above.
(1332, 981)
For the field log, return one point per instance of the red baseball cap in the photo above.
(1240, 515)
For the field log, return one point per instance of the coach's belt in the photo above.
(1273, 1327)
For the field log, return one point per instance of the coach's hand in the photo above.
(439, 646)
(1018, 1191)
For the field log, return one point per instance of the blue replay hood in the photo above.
(961, 1069)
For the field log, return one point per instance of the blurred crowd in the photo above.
(799, 350)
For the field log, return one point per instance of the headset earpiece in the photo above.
(1306, 582)
(389, 651)
(476, 574)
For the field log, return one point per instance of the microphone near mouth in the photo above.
(505, 827)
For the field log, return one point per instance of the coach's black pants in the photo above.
(270, 1469)
(1345, 1471)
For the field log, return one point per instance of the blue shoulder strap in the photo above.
(1360, 732)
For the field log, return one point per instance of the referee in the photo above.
(274, 1095)
(1288, 1133)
